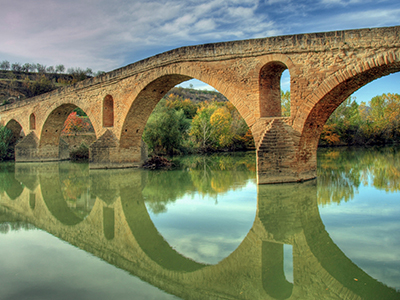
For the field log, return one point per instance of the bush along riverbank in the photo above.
(374, 123)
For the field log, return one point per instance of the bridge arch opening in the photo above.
(32, 122)
(143, 106)
(67, 128)
(285, 93)
(17, 135)
(273, 101)
(338, 93)
(179, 118)
(17, 131)
(108, 111)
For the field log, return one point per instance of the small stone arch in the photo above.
(32, 122)
(108, 111)
(270, 89)
(16, 129)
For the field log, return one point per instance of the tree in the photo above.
(176, 102)
(166, 131)
(50, 69)
(385, 116)
(60, 69)
(26, 67)
(5, 138)
(76, 124)
(40, 86)
(202, 129)
(343, 126)
(16, 67)
(5, 65)
(221, 121)
(89, 72)
(41, 68)
(285, 100)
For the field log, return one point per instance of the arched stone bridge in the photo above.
(325, 68)
(120, 231)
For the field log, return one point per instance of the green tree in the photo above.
(343, 126)
(5, 138)
(385, 117)
(166, 131)
(285, 100)
(202, 129)
(176, 102)
(60, 69)
(5, 65)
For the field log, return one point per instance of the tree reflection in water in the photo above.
(341, 171)
(210, 176)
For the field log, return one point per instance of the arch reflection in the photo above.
(120, 231)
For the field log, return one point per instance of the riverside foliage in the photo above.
(179, 126)
(375, 123)
(5, 138)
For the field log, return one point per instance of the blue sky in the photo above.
(105, 35)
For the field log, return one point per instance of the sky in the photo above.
(105, 35)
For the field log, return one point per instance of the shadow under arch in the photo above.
(50, 177)
(148, 237)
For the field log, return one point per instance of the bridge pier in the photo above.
(107, 153)
(278, 157)
(28, 150)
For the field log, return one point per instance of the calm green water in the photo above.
(202, 231)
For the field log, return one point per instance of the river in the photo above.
(203, 230)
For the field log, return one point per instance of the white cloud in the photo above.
(101, 34)
(105, 35)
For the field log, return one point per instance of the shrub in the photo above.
(5, 138)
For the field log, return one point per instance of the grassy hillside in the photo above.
(16, 86)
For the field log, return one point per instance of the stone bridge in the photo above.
(325, 68)
(120, 231)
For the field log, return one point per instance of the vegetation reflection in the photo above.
(341, 171)
(209, 176)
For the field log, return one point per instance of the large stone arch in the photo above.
(149, 92)
(141, 108)
(316, 109)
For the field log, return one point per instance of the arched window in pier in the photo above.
(108, 111)
(271, 97)
(32, 122)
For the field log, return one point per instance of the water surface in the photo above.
(202, 231)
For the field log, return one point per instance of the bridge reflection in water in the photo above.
(109, 219)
